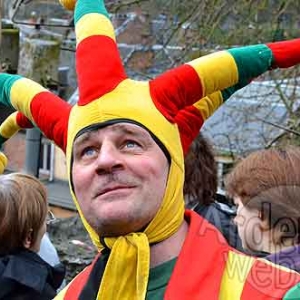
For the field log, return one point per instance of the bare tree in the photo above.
(194, 28)
(175, 31)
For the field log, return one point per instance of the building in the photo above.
(252, 119)
(247, 122)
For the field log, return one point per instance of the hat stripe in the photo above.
(6, 83)
(212, 76)
(23, 121)
(251, 61)
(94, 24)
(208, 105)
(49, 112)
(21, 94)
(286, 53)
(191, 119)
(8, 128)
(185, 85)
(95, 75)
(98, 62)
(189, 122)
(175, 89)
(89, 6)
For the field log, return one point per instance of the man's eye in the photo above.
(131, 144)
(88, 151)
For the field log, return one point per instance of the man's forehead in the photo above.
(119, 128)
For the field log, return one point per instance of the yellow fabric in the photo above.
(98, 24)
(9, 126)
(209, 104)
(237, 269)
(22, 92)
(136, 248)
(7, 129)
(207, 65)
(130, 254)
(68, 4)
(61, 294)
(3, 162)
(282, 268)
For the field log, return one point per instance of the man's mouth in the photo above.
(112, 189)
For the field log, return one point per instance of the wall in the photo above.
(60, 166)
(14, 148)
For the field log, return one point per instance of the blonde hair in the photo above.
(23, 208)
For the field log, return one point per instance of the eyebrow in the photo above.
(83, 138)
(123, 129)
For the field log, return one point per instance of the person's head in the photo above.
(200, 184)
(119, 176)
(23, 211)
(266, 187)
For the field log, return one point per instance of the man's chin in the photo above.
(113, 232)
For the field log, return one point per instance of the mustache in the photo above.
(112, 180)
(119, 179)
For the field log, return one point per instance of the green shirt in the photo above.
(293, 293)
(158, 280)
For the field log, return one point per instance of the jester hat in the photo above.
(166, 106)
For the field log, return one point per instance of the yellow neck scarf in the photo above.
(127, 270)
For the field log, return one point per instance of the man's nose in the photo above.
(109, 159)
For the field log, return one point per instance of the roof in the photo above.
(242, 124)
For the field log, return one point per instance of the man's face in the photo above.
(119, 176)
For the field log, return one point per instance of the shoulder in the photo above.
(215, 210)
(269, 279)
(221, 216)
(250, 278)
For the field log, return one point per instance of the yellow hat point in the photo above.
(3, 162)
(68, 4)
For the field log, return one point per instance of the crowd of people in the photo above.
(134, 161)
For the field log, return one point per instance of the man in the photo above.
(124, 145)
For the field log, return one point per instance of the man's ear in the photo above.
(28, 240)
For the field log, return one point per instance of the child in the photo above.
(23, 219)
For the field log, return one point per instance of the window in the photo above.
(223, 167)
(45, 157)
